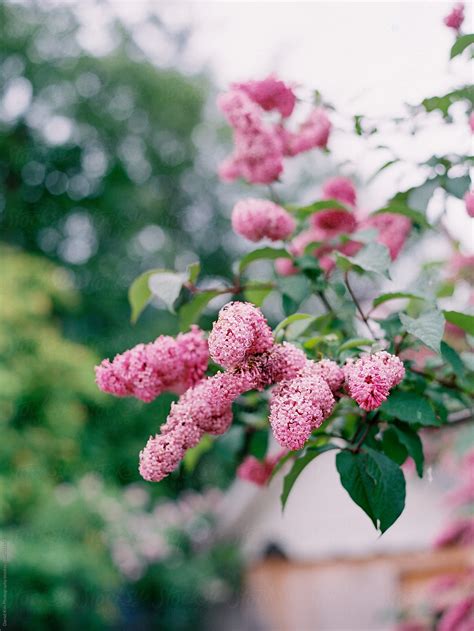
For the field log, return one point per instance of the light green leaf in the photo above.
(194, 455)
(461, 44)
(410, 407)
(428, 328)
(375, 483)
(394, 295)
(355, 342)
(189, 313)
(297, 468)
(139, 293)
(167, 286)
(463, 320)
(193, 272)
(290, 319)
(263, 253)
(256, 292)
(374, 257)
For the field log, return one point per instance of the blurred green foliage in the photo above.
(97, 164)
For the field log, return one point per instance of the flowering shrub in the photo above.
(342, 370)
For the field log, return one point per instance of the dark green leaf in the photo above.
(461, 44)
(259, 444)
(412, 442)
(315, 207)
(298, 467)
(263, 253)
(410, 407)
(463, 320)
(375, 483)
(415, 215)
(428, 328)
(452, 357)
(392, 447)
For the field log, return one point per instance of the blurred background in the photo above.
(109, 142)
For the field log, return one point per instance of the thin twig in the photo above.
(358, 307)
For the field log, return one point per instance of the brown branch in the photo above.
(358, 307)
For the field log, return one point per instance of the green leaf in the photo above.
(297, 468)
(295, 317)
(399, 209)
(452, 357)
(457, 186)
(412, 442)
(392, 447)
(325, 204)
(444, 102)
(410, 407)
(189, 313)
(382, 168)
(393, 296)
(194, 455)
(139, 293)
(463, 320)
(461, 44)
(263, 253)
(355, 342)
(167, 286)
(256, 292)
(374, 257)
(375, 483)
(428, 328)
(193, 272)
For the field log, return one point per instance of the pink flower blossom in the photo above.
(455, 19)
(471, 121)
(459, 617)
(241, 112)
(333, 222)
(469, 199)
(462, 266)
(285, 267)
(313, 133)
(257, 471)
(241, 330)
(285, 362)
(161, 455)
(329, 371)
(299, 406)
(270, 94)
(461, 532)
(147, 370)
(340, 188)
(256, 219)
(393, 230)
(370, 378)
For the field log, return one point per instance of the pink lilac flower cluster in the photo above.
(259, 471)
(261, 145)
(329, 224)
(242, 342)
(300, 405)
(369, 379)
(256, 219)
(455, 18)
(147, 370)
(469, 200)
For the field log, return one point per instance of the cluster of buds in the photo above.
(261, 145)
(455, 18)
